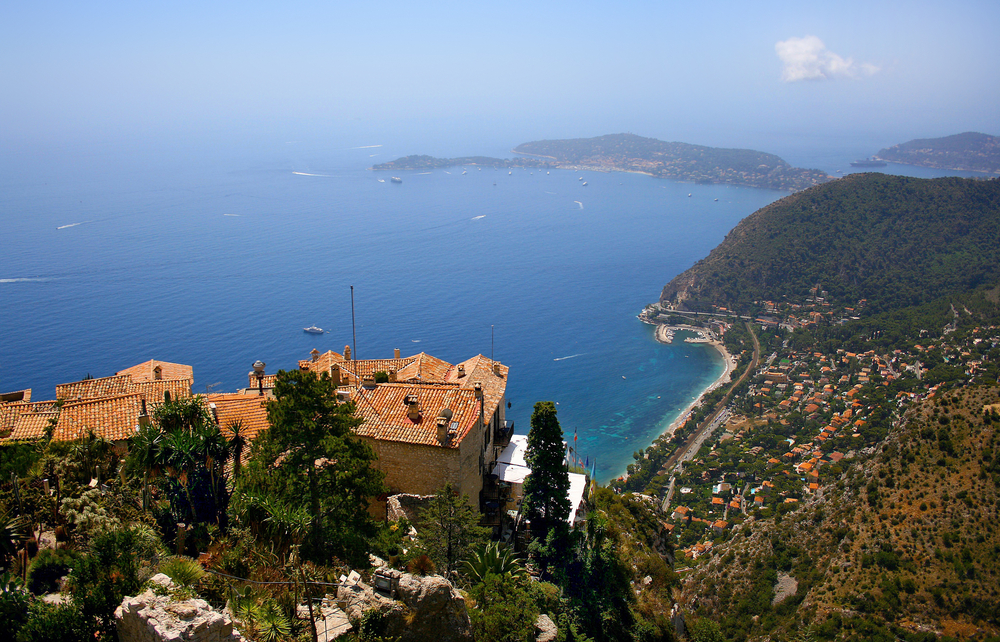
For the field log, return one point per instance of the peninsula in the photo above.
(631, 153)
(971, 152)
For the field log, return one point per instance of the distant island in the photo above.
(971, 152)
(631, 153)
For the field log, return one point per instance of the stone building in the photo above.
(430, 422)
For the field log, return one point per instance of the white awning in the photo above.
(577, 488)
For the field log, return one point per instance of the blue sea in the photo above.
(216, 255)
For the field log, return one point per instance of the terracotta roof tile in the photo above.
(94, 388)
(386, 417)
(147, 371)
(113, 418)
(16, 395)
(247, 409)
(153, 391)
(424, 369)
(25, 420)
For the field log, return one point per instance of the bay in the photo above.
(216, 256)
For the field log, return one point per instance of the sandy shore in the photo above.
(662, 335)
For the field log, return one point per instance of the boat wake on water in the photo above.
(308, 174)
(579, 203)
(476, 218)
(63, 227)
(570, 356)
(25, 280)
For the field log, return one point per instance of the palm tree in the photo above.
(237, 442)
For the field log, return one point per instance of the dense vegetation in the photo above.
(906, 534)
(969, 151)
(892, 241)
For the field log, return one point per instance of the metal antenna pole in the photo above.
(354, 330)
(491, 343)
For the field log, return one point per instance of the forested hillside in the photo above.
(892, 241)
(969, 151)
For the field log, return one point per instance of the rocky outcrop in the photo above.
(149, 617)
(406, 506)
(414, 608)
(545, 629)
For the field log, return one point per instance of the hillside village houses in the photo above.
(429, 421)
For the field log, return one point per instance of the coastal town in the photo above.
(790, 431)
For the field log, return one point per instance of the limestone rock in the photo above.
(545, 629)
(149, 617)
(424, 608)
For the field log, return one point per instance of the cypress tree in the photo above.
(546, 490)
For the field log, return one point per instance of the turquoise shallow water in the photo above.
(218, 257)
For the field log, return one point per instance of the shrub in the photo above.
(48, 567)
(183, 571)
(63, 622)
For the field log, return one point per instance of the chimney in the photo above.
(368, 382)
(215, 412)
(413, 407)
(315, 355)
(395, 353)
(479, 391)
(347, 353)
(496, 369)
(335, 375)
(392, 374)
(442, 429)
(461, 370)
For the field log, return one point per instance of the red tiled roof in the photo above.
(153, 391)
(114, 418)
(147, 371)
(386, 417)
(25, 420)
(94, 388)
(250, 410)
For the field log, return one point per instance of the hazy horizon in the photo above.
(458, 78)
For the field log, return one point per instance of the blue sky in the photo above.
(718, 73)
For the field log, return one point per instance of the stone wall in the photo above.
(149, 617)
(423, 470)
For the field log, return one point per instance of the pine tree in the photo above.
(449, 530)
(546, 490)
(309, 465)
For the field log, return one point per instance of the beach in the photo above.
(665, 333)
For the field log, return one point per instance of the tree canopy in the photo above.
(546, 490)
(309, 479)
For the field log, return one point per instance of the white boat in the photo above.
(464, 173)
(313, 330)
(396, 179)
(584, 183)
(381, 180)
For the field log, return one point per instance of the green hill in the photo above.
(904, 546)
(970, 151)
(681, 161)
(893, 241)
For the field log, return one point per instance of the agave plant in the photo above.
(184, 571)
(13, 529)
(492, 559)
(271, 623)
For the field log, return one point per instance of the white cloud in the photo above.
(809, 59)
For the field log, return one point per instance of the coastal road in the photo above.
(694, 441)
